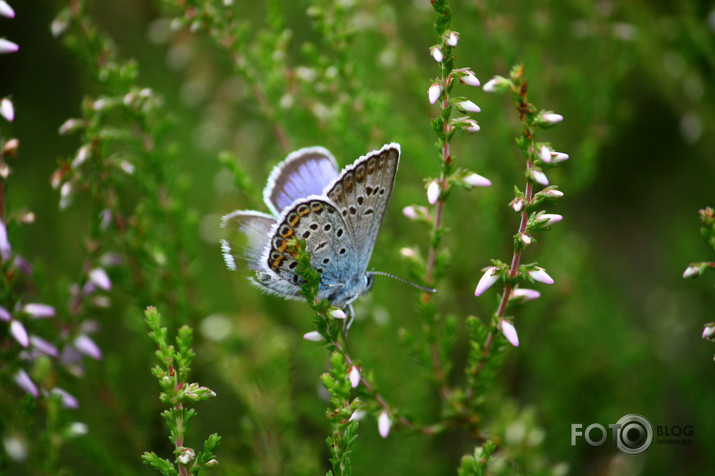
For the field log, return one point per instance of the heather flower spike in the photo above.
(384, 423)
(488, 279)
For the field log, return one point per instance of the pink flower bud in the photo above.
(313, 336)
(99, 278)
(410, 212)
(7, 46)
(408, 253)
(433, 191)
(5, 248)
(476, 180)
(68, 400)
(7, 110)
(509, 331)
(357, 415)
(488, 279)
(4, 315)
(25, 382)
(383, 424)
(452, 38)
(517, 204)
(548, 219)
(38, 311)
(43, 346)
(545, 154)
(524, 238)
(82, 156)
(557, 157)
(539, 274)
(708, 330)
(553, 193)
(525, 294)
(6, 10)
(87, 346)
(539, 177)
(434, 92)
(469, 125)
(354, 376)
(19, 333)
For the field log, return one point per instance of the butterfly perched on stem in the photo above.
(336, 214)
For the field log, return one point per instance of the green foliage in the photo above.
(172, 373)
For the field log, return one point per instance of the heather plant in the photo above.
(161, 116)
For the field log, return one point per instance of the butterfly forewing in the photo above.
(303, 173)
(361, 194)
(317, 222)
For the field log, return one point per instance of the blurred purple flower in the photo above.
(68, 400)
(38, 311)
(86, 345)
(24, 382)
(19, 333)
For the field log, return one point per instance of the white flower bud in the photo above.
(338, 314)
(436, 53)
(408, 253)
(452, 38)
(99, 277)
(488, 279)
(539, 177)
(509, 332)
(496, 85)
(467, 106)
(476, 180)
(7, 46)
(313, 336)
(7, 110)
(383, 424)
(551, 118)
(517, 204)
(38, 311)
(433, 191)
(708, 330)
(524, 294)
(19, 333)
(433, 93)
(6, 10)
(539, 274)
(354, 376)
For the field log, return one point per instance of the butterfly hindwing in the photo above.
(327, 238)
(244, 235)
(303, 173)
(362, 192)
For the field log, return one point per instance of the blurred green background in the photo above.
(618, 333)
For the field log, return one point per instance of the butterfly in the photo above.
(337, 214)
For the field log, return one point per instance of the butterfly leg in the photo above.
(349, 319)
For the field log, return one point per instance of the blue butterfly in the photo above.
(337, 214)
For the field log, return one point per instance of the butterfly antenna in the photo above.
(421, 288)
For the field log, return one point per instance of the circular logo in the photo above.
(634, 434)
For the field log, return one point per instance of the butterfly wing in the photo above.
(303, 173)
(361, 193)
(327, 237)
(245, 234)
